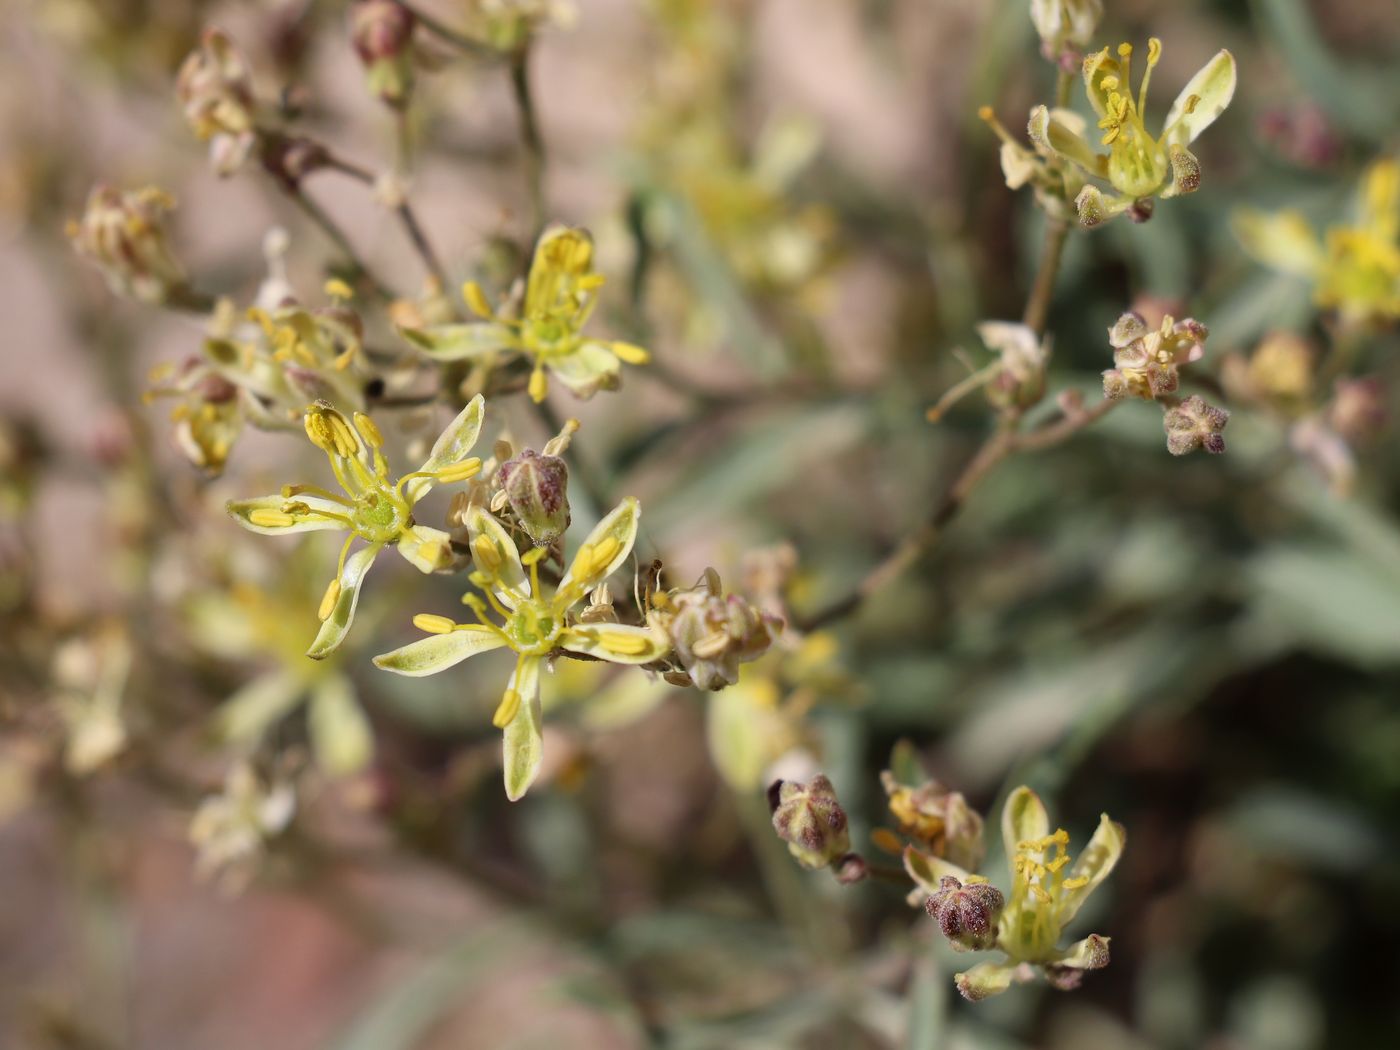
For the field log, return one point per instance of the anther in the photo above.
(432, 623)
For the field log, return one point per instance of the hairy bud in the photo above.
(1195, 424)
(713, 633)
(537, 489)
(966, 914)
(809, 818)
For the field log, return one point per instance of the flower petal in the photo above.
(426, 549)
(438, 652)
(451, 447)
(496, 555)
(603, 552)
(522, 746)
(617, 642)
(590, 368)
(244, 716)
(926, 870)
(1050, 132)
(341, 738)
(1097, 66)
(1282, 240)
(1093, 866)
(1212, 87)
(985, 980)
(461, 342)
(1022, 818)
(337, 625)
(270, 516)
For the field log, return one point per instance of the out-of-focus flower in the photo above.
(215, 89)
(374, 508)
(1325, 450)
(1139, 165)
(123, 235)
(508, 25)
(560, 295)
(712, 633)
(1303, 134)
(939, 820)
(1147, 360)
(1048, 888)
(90, 677)
(1065, 26)
(231, 830)
(809, 818)
(208, 417)
(1359, 410)
(1355, 267)
(535, 625)
(382, 32)
(1279, 371)
(1195, 424)
(1015, 379)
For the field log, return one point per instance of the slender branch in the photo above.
(1064, 428)
(443, 31)
(530, 139)
(1038, 305)
(337, 236)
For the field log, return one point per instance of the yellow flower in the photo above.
(1138, 165)
(560, 295)
(535, 625)
(1355, 268)
(374, 508)
(1047, 890)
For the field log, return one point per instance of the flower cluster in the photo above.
(712, 632)
(546, 327)
(123, 235)
(215, 89)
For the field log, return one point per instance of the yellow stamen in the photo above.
(475, 298)
(329, 599)
(370, 430)
(270, 519)
(539, 385)
(432, 623)
(1076, 883)
(467, 468)
(625, 644)
(505, 713)
(335, 288)
(487, 554)
(630, 353)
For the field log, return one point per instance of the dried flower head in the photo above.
(123, 235)
(966, 914)
(536, 488)
(1195, 424)
(215, 89)
(712, 633)
(1148, 360)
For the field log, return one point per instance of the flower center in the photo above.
(533, 628)
(380, 516)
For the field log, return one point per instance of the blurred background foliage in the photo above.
(803, 218)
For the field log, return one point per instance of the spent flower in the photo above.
(536, 625)
(1148, 360)
(123, 234)
(374, 508)
(711, 632)
(560, 294)
(215, 89)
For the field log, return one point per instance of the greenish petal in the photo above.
(438, 652)
(461, 342)
(619, 643)
(605, 550)
(451, 447)
(1023, 818)
(244, 716)
(426, 549)
(1049, 131)
(927, 870)
(985, 980)
(1097, 66)
(1212, 87)
(588, 369)
(340, 734)
(522, 745)
(1092, 865)
(281, 516)
(337, 625)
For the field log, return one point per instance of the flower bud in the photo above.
(537, 488)
(1065, 25)
(382, 32)
(123, 235)
(215, 90)
(966, 914)
(1195, 424)
(809, 818)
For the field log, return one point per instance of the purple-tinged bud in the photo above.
(1195, 424)
(382, 32)
(537, 488)
(1141, 209)
(809, 818)
(966, 914)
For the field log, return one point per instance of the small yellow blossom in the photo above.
(374, 508)
(1138, 165)
(535, 625)
(561, 293)
(1355, 267)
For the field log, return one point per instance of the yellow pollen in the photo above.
(1076, 883)
(626, 644)
(329, 599)
(539, 385)
(1125, 50)
(467, 468)
(338, 289)
(370, 430)
(475, 298)
(630, 353)
(346, 444)
(432, 623)
(270, 519)
(1109, 83)
(319, 431)
(505, 713)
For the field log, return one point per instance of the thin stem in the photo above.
(592, 485)
(530, 139)
(337, 236)
(1038, 305)
(1063, 80)
(1064, 428)
(443, 31)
